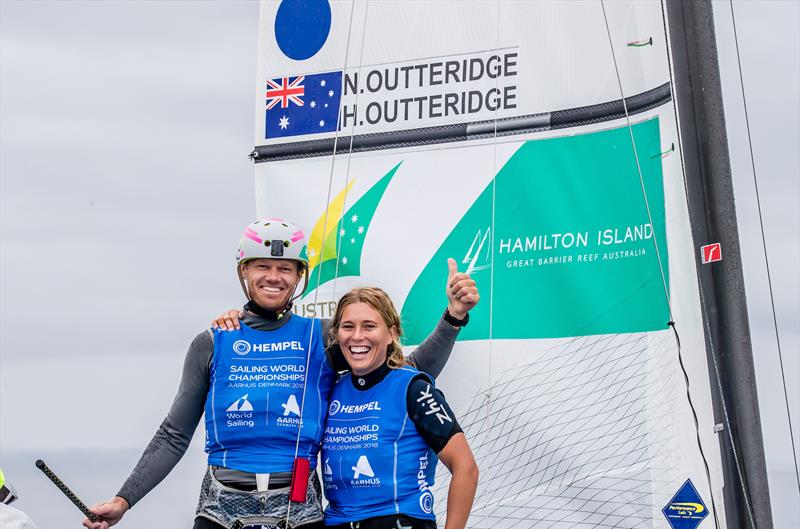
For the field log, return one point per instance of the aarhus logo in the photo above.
(334, 407)
(291, 406)
(363, 475)
(241, 347)
(362, 467)
(291, 413)
(686, 509)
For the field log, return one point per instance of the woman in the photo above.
(387, 427)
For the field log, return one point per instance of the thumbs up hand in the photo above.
(462, 292)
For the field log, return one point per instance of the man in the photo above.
(264, 389)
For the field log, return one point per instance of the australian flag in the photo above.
(305, 104)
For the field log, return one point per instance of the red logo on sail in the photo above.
(711, 253)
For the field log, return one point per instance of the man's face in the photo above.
(271, 282)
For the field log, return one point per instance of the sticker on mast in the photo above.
(711, 253)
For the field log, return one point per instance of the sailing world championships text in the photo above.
(473, 84)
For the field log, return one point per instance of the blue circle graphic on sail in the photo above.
(302, 27)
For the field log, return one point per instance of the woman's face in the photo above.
(364, 337)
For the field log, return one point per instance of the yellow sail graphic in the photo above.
(320, 246)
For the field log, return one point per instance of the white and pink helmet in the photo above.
(273, 239)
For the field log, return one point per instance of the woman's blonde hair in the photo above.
(382, 303)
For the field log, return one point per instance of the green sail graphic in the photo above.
(571, 250)
(342, 248)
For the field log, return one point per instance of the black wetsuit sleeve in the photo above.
(431, 414)
(173, 436)
(432, 354)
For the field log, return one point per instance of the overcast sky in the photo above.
(124, 182)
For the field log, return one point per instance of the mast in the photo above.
(711, 205)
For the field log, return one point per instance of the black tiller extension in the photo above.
(67, 492)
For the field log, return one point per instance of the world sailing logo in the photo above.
(240, 413)
(240, 404)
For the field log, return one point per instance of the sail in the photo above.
(535, 143)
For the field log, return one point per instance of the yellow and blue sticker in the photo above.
(686, 509)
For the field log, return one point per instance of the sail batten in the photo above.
(557, 119)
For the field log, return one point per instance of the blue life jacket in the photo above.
(374, 463)
(256, 394)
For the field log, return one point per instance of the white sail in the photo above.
(495, 133)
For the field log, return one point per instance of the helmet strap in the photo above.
(305, 286)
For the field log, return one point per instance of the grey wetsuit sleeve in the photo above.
(173, 436)
(432, 354)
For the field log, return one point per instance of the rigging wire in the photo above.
(638, 165)
(319, 275)
(488, 397)
(764, 246)
(706, 319)
(658, 255)
(349, 150)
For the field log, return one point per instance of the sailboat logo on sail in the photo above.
(478, 257)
